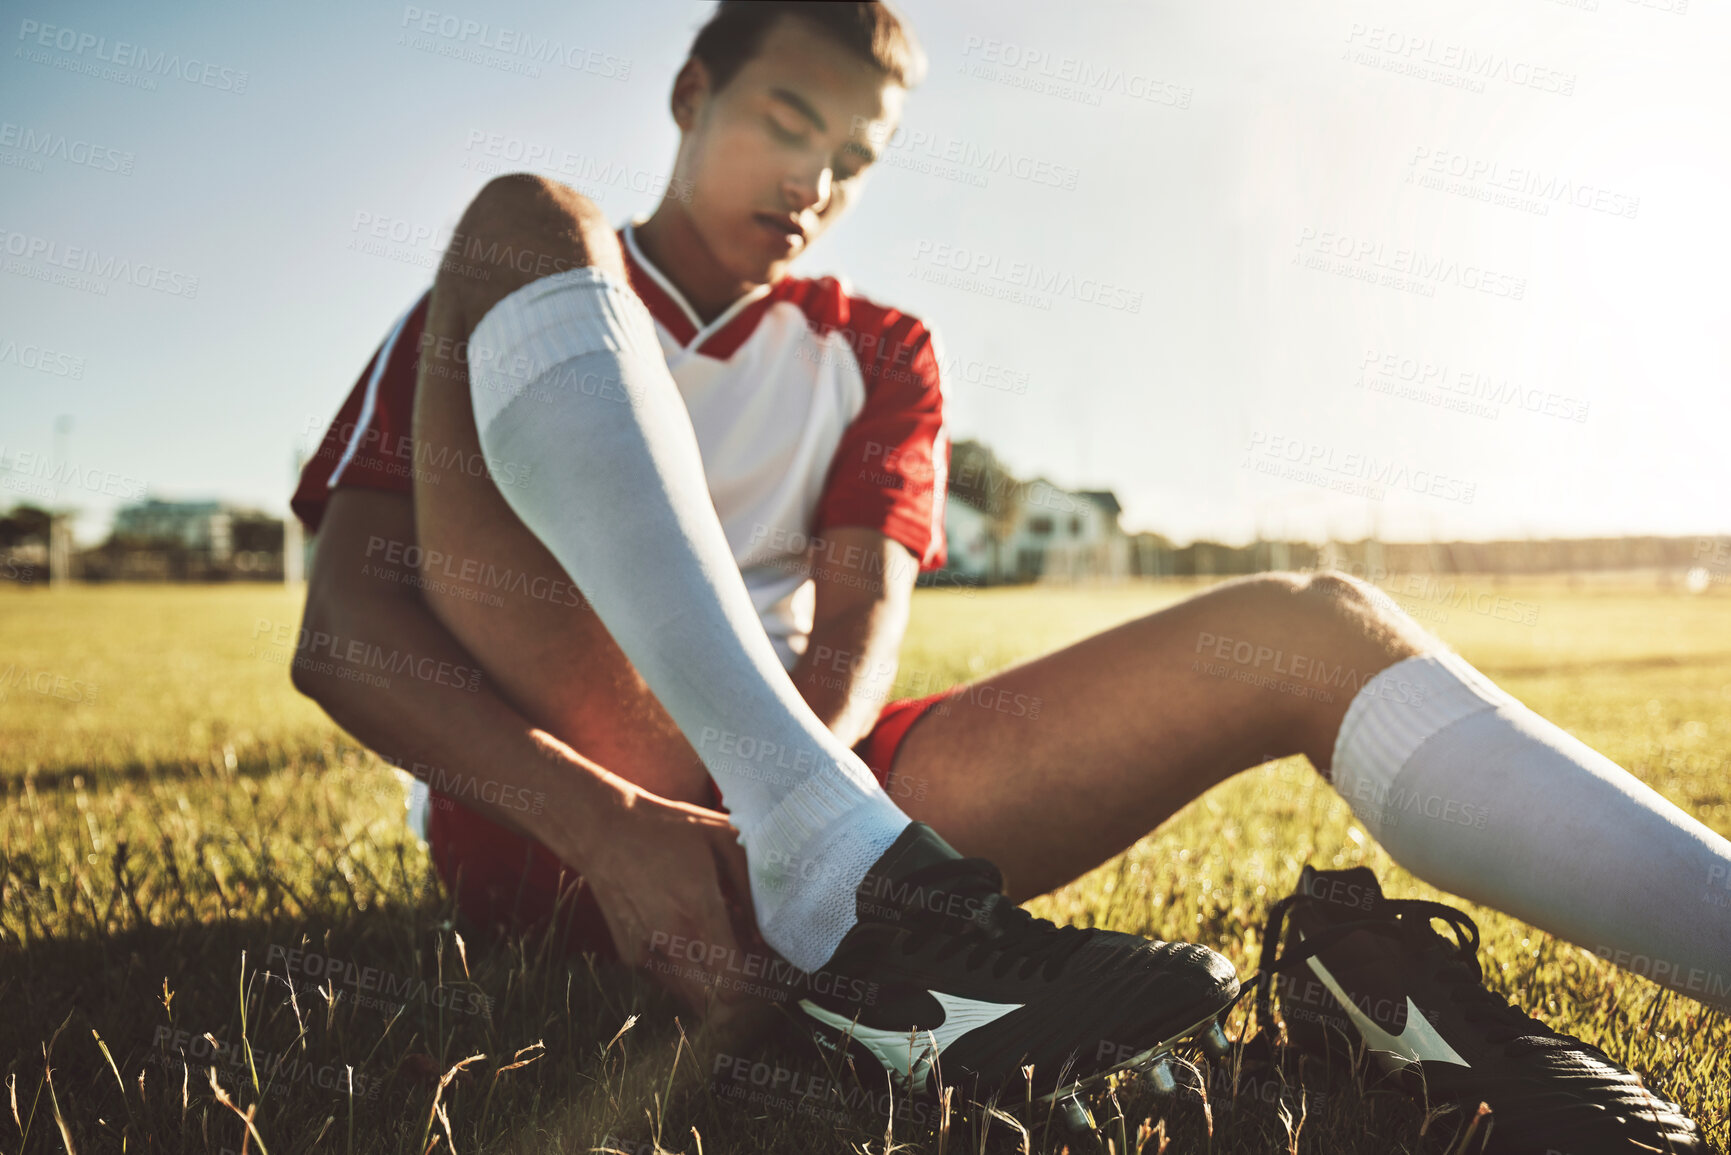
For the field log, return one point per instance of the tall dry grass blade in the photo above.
(517, 1061)
(438, 1092)
(1027, 1139)
(118, 1081)
(59, 1119)
(1123, 1144)
(245, 1042)
(445, 1121)
(295, 1004)
(1482, 1115)
(667, 1088)
(246, 1116)
(619, 1034)
(537, 1045)
(53, 1098)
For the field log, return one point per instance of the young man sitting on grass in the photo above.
(659, 414)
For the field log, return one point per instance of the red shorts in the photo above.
(503, 880)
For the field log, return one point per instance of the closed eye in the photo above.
(852, 160)
(782, 133)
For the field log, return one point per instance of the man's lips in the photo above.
(786, 226)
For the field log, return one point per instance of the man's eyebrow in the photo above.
(800, 105)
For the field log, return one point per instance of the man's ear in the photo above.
(690, 90)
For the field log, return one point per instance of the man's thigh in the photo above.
(1052, 767)
(487, 577)
(494, 585)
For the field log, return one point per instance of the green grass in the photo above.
(177, 818)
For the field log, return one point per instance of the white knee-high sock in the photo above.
(1478, 795)
(567, 377)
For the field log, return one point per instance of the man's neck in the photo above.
(672, 244)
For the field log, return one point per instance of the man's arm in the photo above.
(655, 865)
(864, 583)
(355, 594)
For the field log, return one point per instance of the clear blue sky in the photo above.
(1518, 205)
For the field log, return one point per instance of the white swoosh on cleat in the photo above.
(1418, 1041)
(896, 1049)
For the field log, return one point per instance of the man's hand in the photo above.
(671, 881)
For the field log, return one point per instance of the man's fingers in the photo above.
(735, 873)
(682, 885)
(691, 812)
(708, 957)
(734, 869)
(725, 960)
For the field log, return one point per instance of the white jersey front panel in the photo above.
(768, 420)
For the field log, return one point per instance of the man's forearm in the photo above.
(467, 742)
(847, 670)
(864, 583)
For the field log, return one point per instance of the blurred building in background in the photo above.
(157, 540)
(25, 535)
(1001, 529)
(153, 540)
(1059, 535)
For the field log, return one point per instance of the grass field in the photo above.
(178, 821)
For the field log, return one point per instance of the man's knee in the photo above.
(520, 228)
(1327, 597)
(1341, 589)
(1332, 595)
(1329, 586)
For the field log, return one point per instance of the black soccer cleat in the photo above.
(1365, 974)
(960, 986)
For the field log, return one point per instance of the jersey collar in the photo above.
(669, 306)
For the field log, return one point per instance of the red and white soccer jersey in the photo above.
(814, 410)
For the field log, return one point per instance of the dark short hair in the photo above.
(872, 31)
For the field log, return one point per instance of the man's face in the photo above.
(775, 157)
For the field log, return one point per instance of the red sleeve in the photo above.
(369, 444)
(892, 465)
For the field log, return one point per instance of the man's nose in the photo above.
(807, 189)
